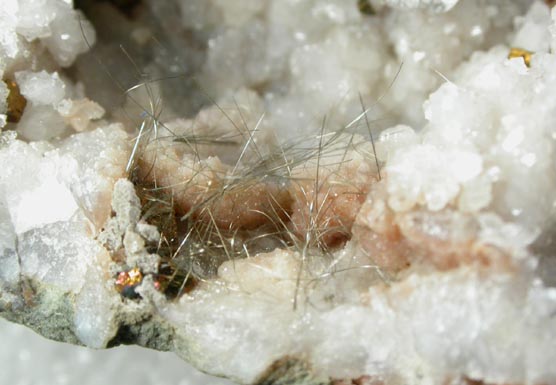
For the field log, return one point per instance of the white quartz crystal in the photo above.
(59, 253)
(53, 22)
(27, 183)
(96, 304)
(435, 5)
(41, 88)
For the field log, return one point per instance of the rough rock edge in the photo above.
(50, 312)
(290, 371)
(44, 308)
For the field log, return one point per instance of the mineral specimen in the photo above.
(283, 191)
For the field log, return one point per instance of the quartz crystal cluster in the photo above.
(282, 191)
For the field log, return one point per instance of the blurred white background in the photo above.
(29, 359)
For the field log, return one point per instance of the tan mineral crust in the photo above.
(283, 191)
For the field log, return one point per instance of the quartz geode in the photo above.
(279, 191)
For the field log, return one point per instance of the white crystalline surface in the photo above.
(53, 202)
(436, 5)
(444, 274)
(26, 203)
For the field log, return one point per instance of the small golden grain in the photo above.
(520, 52)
